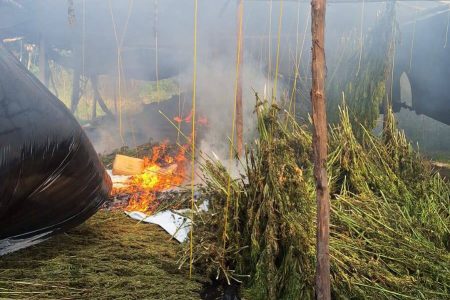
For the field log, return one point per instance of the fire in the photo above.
(162, 171)
(202, 120)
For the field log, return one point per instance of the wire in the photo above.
(233, 125)
(155, 27)
(83, 55)
(393, 61)
(269, 75)
(294, 87)
(194, 94)
(361, 39)
(280, 19)
(119, 44)
(297, 65)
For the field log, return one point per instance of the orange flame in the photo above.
(161, 172)
(202, 120)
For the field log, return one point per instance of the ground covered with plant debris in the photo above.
(108, 257)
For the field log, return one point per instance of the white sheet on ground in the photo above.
(177, 225)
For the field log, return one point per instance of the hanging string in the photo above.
(179, 108)
(413, 39)
(393, 39)
(361, 37)
(298, 60)
(233, 125)
(155, 28)
(269, 69)
(294, 87)
(83, 38)
(83, 57)
(194, 95)
(119, 44)
(280, 18)
(119, 89)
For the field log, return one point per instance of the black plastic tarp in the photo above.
(51, 179)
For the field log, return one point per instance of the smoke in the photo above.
(155, 41)
(216, 92)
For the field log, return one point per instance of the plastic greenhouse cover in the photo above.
(51, 178)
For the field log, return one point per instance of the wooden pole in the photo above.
(320, 141)
(240, 59)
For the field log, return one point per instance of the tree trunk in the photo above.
(320, 141)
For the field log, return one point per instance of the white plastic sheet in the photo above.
(173, 222)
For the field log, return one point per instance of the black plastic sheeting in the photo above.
(51, 179)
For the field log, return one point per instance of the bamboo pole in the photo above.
(319, 117)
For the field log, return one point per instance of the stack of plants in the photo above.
(390, 220)
(363, 73)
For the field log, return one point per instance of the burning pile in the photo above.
(163, 171)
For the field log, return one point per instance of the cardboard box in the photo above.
(126, 165)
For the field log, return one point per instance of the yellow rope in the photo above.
(179, 110)
(119, 45)
(83, 39)
(298, 60)
(294, 87)
(118, 70)
(194, 94)
(269, 69)
(82, 93)
(156, 51)
(233, 125)
(280, 18)
(361, 37)
(393, 61)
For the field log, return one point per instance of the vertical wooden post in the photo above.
(320, 141)
(240, 59)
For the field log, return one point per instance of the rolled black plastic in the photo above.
(51, 178)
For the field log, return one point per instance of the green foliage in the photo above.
(362, 75)
(159, 91)
(390, 232)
